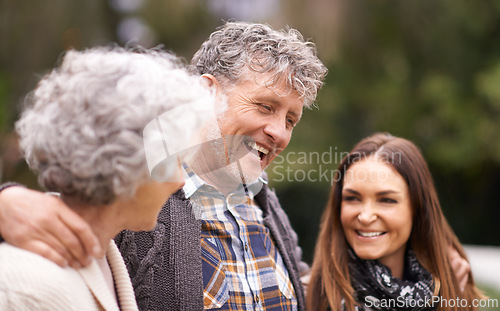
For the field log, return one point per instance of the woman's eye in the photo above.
(290, 122)
(388, 201)
(349, 198)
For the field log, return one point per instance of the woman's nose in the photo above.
(367, 215)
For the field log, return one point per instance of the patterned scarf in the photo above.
(377, 289)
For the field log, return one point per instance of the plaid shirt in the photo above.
(242, 269)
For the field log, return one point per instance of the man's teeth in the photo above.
(369, 234)
(254, 145)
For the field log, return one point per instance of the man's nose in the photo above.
(277, 131)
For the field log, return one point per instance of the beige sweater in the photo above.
(31, 282)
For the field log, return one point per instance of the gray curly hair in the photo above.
(236, 46)
(82, 129)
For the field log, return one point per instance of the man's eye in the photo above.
(264, 107)
(291, 122)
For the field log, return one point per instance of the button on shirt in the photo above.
(242, 269)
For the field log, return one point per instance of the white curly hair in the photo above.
(237, 46)
(82, 128)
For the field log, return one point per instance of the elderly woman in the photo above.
(384, 241)
(83, 133)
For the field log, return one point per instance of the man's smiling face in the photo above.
(263, 116)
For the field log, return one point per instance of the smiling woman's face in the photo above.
(376, 212)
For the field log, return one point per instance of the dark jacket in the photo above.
(165, 264)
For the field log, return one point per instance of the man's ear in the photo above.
(211, 82)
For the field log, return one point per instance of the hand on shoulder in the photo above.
(43, 224)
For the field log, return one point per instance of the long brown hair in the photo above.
(430, 238)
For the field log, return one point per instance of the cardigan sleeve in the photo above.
(165, 264)
(287, 241)
(302, 266)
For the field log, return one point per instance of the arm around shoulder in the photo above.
(43, 224)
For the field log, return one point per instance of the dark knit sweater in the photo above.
(165, 264)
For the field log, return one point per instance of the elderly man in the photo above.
(211, 249)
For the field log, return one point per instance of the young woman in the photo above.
(384, 241)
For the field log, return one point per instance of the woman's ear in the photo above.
(211, 82)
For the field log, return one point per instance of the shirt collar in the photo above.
(193, 182)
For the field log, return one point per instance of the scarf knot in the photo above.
(377, 289)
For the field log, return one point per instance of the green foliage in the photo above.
(4, 107)
(179, 25)
(493, 295)
(425, 70)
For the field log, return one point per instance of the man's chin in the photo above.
(239, 173)
(250, 168)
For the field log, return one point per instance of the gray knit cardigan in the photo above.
(165, 264)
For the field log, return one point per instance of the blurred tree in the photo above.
(181, 26)
(33, 35)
